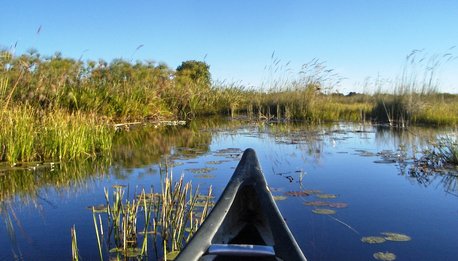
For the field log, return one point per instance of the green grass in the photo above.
(28, 134)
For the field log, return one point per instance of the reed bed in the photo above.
(60, 108)
(33, 135)
(169, 220)
(447, 150)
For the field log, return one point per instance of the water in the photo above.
(347, 160)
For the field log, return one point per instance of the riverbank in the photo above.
(57, 108)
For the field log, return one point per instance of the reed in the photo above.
(414, 98)
(28, 135)
(75, 251)
(170, 218)
(447, 150)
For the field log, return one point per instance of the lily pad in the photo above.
(205, 176)
(300, 193)
(338, 204)
(175, 164)
(128, 252)
(201, 170)
(204, 197)
(216, 162)
(385, 256)
(172, 255)
(316, 203)
(396, 236)
(312, 191)
(201, 204)
(149, 197)
(279, 198)
(323, 211)
(385, 161)
(326, 204)
(98, 208)
(364, 153)
(373, 240)
(326, 196)
(188, 229)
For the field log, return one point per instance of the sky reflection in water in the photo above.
(338, 159)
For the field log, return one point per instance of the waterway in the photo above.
(368, 173)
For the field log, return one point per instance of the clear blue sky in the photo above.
(358, 39)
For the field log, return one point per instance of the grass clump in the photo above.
(169, 220)
(447, 150)
(32, 135)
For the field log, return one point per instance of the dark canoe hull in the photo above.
(245, 215)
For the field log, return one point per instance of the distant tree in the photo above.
(196, 71)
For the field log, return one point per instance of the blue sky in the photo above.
(358, 39)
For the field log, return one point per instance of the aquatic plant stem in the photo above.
(97, 234)
(345, 224)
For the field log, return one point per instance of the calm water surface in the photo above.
(363, 166)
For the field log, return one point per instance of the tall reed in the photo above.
(170, 218)
(75, 251)
(414, 97)
(28, 134)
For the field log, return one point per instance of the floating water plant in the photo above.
(216, 162)
(373, 240)
(300, 193)
(326, 204)
(279, 198)
(205, 176)
(385, 161)
(323, 211)
(327, 196)
(172, 255)
(201, 170)
(338, 205)
(128, 252)
(98, 208)
(385, 256)
(396, 236)
(316, 203)
(364, 153)
(312, 191)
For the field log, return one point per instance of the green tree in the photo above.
(196, 71)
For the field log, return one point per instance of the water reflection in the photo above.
(26, 184)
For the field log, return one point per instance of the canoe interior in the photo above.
(244, 224)
(244, 214)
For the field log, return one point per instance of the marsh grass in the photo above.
(169, 219)
(28, 135)
(60, 108)
(447, 150)
(414, 98)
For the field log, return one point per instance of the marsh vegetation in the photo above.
(57, 108)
